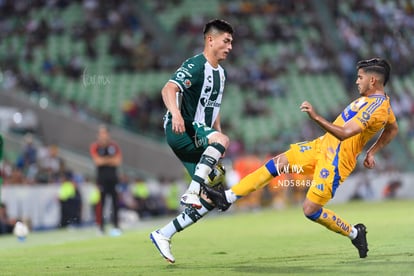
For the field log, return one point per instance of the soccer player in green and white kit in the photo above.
(192, 125)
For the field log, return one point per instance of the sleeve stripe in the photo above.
(373, 106)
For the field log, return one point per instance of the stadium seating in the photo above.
(101, 89)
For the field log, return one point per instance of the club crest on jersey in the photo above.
(324, 173)
(187, 83)
(365, 118)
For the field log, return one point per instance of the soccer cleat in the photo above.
(360, 242)
(191, 198)
(163, 245)
(218, 197)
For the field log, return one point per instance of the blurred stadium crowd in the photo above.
(109, 59)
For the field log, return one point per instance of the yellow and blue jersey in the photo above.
(372, 113)
(330, 160)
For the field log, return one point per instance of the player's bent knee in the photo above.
(309, 208)
(312, 214)
(221, 139)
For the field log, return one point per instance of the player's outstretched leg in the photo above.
(163, 245)
(335, 223)
(360, 242)
(252, 182)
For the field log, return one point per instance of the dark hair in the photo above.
(219, 25)
(376, 65)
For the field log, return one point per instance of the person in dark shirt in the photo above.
(107, 156)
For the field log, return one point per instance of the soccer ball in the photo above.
(217, 176)
(20, 230)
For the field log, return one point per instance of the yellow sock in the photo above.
(333, 222)
(252, 182)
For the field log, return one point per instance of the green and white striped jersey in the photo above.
(202, 89)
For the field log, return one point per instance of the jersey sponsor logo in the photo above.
(344, 226)
(190, 65)
(209, 103)
(207, 89)
(209, 78)
(304, 148)
(324, 173)
(352, 109)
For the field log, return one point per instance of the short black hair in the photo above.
(219, 25)
(376, 65)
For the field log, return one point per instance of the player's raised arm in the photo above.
(350, 129)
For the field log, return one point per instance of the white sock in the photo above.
(207, 161)
(183, 220)
(168, 230)
(353, 234)
(230, 196)
(194, 187)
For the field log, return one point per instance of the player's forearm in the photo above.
(339, 132)
(384, 139)
(169, 98)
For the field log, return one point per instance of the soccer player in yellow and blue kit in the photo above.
(332, 157)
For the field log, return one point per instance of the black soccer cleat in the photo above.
(217, 196)
(360, 242)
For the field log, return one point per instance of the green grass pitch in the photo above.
(266, 242)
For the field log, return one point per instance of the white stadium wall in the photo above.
(40, 204)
